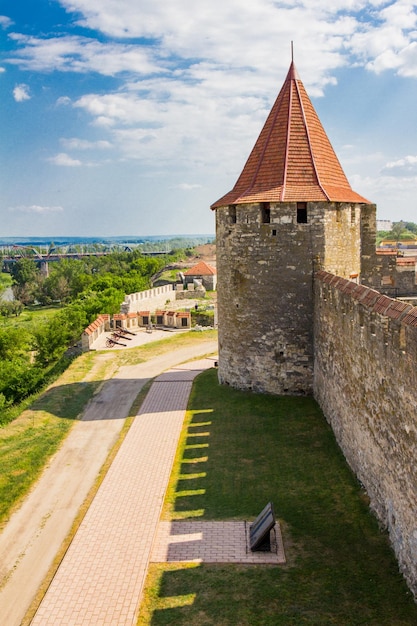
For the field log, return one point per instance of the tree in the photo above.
(53, 338)
(26, 280)
(14, 342)
(24, 271)
(412, 227)
(11, 307)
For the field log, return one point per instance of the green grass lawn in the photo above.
(35, 434)
(239, 451)
(41, 423)
(30, 317)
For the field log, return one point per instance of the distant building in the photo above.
(203, 272)
(383, 225)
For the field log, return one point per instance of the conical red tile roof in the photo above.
(293, 159)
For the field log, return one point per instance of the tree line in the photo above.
(81, 290)
(400, 231)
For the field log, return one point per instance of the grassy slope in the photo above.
(30, 318)
(340, 571)
(31, 439)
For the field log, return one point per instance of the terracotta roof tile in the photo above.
(411, 317)
(293, 159)
(369, 298)
(361, 292)
(397, 309)
(381, 305)
(201, 269)
(99, 321)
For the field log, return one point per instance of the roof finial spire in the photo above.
(292, 52)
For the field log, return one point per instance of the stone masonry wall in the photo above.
(365, 380)
(265, 264)
(149, 299)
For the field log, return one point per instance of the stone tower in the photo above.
(291, 212)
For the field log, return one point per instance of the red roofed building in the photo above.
(291, 213)
(204, 272)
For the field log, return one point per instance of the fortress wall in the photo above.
(365, 380)
(148, 300)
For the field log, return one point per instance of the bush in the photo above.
(202, 318)
(18, 379)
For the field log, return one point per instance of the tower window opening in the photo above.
(301, 212)
(232, 214)
(265, 213)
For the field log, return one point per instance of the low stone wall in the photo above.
(150, 299)
(365, 380)
(94, 330)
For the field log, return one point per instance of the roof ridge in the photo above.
(309, 141)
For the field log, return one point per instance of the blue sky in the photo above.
(133, 116)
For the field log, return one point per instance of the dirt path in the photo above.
(35, 533)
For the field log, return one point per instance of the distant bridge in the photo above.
(43, 259)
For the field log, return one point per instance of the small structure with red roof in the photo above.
(204, 273)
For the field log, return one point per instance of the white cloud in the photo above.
(184, 82)
(82, 144)
(64, 160)
(231, 35)
(81, 55)
(172, 130)
(188, 186)
(5, 22)
(371, 32)
(407, 166)
(64, 101)
(387, 39)
(37, 209)
(21, 93)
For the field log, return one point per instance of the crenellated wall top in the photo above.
(371, 299)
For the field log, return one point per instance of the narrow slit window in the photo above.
(301, 212)
(232, 214)
(265, 213)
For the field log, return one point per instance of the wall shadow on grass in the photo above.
(191, 484)
(341, 569)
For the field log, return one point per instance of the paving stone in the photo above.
(101, 577)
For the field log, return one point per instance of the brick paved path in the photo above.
(100, 579)
(212, 542)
